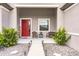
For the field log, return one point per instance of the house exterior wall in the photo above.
(38, 13)
(71, 22)
(0, 19)
(35, 23)
(8, 18)
(60, 18)
(4, 17)
(13, 17)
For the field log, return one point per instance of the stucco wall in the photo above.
(71, 22)
(13, 17)
(60, 18)
(36, 13)
(0, 19)
(8, 18)
(71, 17)
(5, 18)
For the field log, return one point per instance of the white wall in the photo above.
(0, 19)
(8, 18)
(71, 22)
(71, 19)
(74, 42)
(60, 16)
(4, 17)
(13, 18)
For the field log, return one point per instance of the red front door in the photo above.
(25, 28)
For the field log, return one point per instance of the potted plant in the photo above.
(61, 36)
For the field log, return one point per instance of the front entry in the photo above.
(25, 28)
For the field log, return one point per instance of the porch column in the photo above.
(60, 19)
(13, 18)
(0, 19)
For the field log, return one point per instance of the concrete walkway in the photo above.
(36, 48)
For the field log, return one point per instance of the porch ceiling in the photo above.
(37, 5)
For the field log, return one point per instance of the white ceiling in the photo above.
(38, 4)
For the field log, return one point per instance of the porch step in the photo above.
(36, 48)
(24, 41)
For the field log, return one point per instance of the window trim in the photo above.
(39, 22)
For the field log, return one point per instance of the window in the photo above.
(43, 24)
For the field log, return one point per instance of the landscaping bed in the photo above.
(17, 50)
(52, 49)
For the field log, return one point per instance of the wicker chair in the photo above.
(50, 34)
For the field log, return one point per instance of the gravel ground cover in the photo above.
(52, 49)
(17, 50)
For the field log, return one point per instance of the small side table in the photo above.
(41, 35)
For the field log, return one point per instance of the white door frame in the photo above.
(30, 27)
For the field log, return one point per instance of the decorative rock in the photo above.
(17, 50)
(52, 49)
(14, 52)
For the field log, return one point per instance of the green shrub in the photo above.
(61, 36)
(1, 39)
(9, 37)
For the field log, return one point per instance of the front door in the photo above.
(25, 28)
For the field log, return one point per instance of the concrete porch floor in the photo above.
(46, 40)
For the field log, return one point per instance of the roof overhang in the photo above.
(6, 6)
(67, 5)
